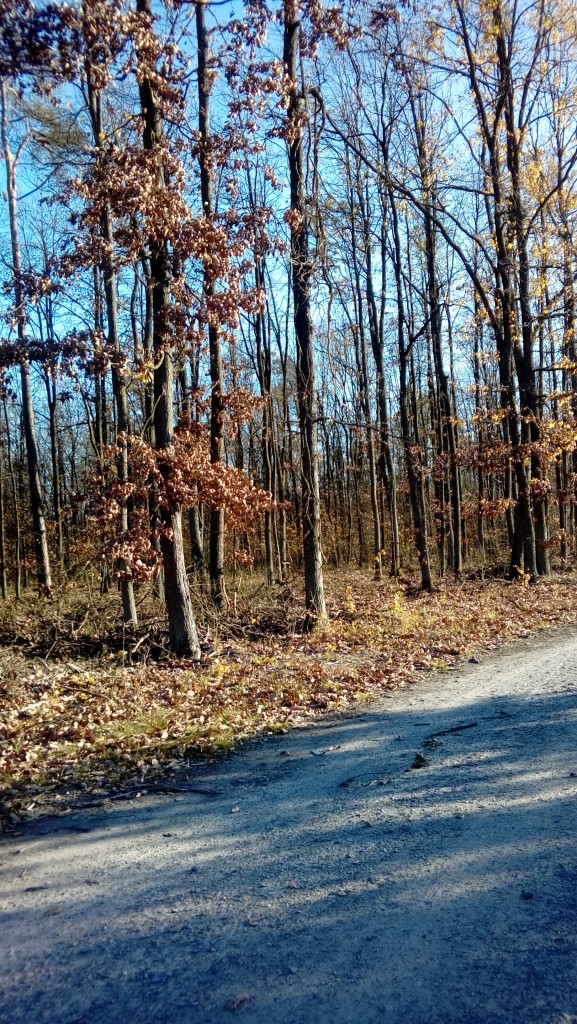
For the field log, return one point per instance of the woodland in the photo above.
(288, 401)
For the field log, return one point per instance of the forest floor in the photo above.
(413, 862)
(88, 711)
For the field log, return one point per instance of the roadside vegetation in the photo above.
(87, 713)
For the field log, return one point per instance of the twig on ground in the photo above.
(455, 728)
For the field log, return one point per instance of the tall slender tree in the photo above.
(181, 620)
(301, 272)
(36, 496)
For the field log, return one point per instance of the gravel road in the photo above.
(319, 878)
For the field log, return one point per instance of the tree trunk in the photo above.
(181, 622)
(16, 506)
(36, 500)
(216, 549)
(358, 331)
(3, 584)
(306, 376)
(194, 524)
(129, 613)
(377, 336)
(148, 346)
(411, 457)
(536, 546)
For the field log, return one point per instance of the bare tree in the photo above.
(301, 284)
(36, 498)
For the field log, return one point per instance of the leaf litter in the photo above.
(93, 727)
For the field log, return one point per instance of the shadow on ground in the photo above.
(326, 881)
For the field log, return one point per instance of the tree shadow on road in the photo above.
(327, 881)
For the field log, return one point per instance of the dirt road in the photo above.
(319, 878)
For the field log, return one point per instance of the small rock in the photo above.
(235, 809)
(432, 744)
(419, 761)
(526, 895)
(237, 1002)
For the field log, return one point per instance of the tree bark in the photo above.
(216, 544)
(306, 376)
(3, 578)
